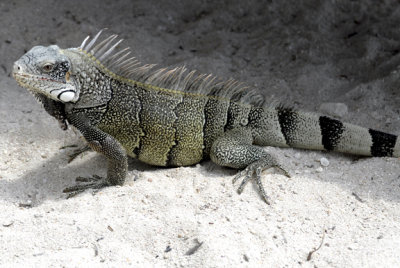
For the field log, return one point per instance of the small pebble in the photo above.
(7, 223)
(324, 162)
(336, 109)
(319, 169)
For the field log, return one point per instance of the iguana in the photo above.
(173, 117)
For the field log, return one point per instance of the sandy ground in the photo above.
(335, 57)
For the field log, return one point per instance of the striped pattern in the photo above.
(288, 122)
(382, 143)
(301, 130)
(331, 131)
(309, 131)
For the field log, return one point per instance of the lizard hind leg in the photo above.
(235, 149)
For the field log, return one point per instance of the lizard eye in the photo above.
(48, 67)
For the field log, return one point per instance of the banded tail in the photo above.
(291, 128)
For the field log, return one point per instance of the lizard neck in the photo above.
(94, 84)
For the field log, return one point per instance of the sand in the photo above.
(339, 58)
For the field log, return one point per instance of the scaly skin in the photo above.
(168, 118)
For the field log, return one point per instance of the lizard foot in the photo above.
(95, 183)
(256, 168)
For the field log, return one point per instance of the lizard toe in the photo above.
(96, 183)
(253, 171)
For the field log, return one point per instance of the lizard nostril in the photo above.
(17, 68)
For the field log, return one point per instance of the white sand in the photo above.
(300, 54)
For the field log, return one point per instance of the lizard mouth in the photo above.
(57, 90)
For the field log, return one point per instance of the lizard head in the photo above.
(47, 71)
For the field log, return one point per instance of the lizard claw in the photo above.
(95, 183)
(77, 152)
(253, 171)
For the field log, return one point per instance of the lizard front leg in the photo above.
(105, 144)
(235, 149)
